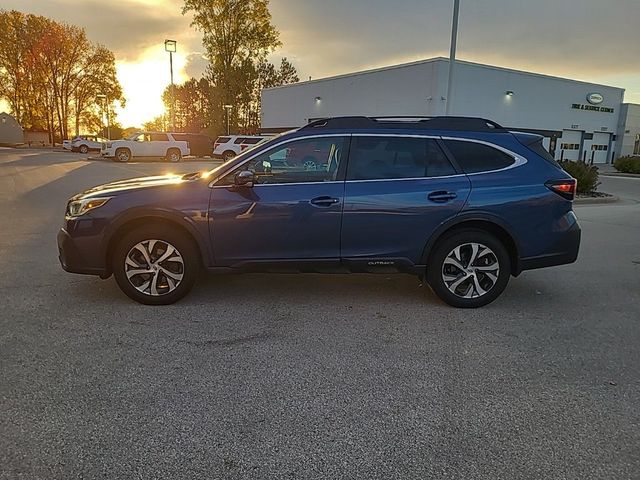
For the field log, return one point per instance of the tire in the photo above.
(173, 155)
(228, 155)
(161, 283)
(309, 163)
(459, 272)
(123, 155)
(84, 149)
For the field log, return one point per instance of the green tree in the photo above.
(237, 35)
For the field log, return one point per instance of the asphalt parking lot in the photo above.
(309, 376)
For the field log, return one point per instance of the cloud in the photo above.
(127, 27)
(582, 39)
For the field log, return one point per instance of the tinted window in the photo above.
(239, 140)
(476, 157)
(309, 160)
(396, 157)
(158, 137)
(251, 141)
(222, 139)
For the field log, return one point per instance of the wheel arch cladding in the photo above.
(486, 225)
(130, 225)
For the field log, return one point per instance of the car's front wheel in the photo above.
(156, 265)
(469, 268)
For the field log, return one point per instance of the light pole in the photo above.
(452, 56)
(171, 47)
(228, 109)
(102, 96)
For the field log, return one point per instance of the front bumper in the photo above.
(77, 257)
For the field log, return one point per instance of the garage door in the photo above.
(600, 147)
(570, 145)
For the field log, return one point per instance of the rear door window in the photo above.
(158, 137)
(388, 158)
(251, 141)
(474, 157)
(239, 140)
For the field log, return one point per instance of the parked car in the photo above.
(86, 143)
(461, 202)
(146, 144)
(200, 145)
(229, 146)
(66, 144)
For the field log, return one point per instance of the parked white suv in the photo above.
(228, 146)
(85, 143)
(146, 144)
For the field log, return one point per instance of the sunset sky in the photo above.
(590, 40)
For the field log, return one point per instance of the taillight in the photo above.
(566, 188)
(215, 145)
(243, 146)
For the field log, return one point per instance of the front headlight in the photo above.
(75, 208)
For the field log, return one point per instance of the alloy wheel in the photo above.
(470, 270)
(154, 267)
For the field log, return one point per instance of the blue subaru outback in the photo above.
(461, 202)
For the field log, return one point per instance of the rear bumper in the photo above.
(72, 258)
(565, 251)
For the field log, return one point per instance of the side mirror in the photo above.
(245, 178)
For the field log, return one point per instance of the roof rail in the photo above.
(415, 122)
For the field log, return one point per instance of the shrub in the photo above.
(585, 174)
(627, 164)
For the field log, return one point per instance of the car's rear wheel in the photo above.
(156, 265)
(173, 155)
(469, 268)
(123, 155)
(228, 155)
(84, 149)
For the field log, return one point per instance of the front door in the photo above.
(292, 212)
(398, 191)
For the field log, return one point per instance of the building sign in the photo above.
(595, 98)
(593, 108)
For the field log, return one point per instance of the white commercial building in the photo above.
(580, 120)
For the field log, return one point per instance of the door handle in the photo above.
(441, 196)
(324, 201)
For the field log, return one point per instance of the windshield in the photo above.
(246, 152)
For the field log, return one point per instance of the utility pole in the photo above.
(171, 46)
(228, 109)
(452, 56)
(106, 102)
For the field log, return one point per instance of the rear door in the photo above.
(398, 190)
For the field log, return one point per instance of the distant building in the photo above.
(579, 120)
(10, 130)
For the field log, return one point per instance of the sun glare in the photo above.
(143, 82)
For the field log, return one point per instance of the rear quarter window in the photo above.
(476, 157)
(222, 139)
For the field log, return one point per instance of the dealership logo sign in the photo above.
(595, 98)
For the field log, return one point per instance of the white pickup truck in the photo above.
(146, 144)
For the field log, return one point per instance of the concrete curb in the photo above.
(619, 174)
(213, 161)
(595, 200)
